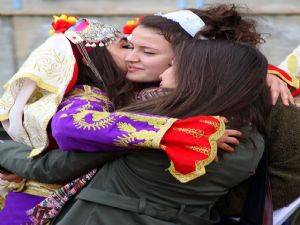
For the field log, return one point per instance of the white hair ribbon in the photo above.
(188, 20)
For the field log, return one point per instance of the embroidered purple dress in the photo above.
(86, 111)
(85, 122)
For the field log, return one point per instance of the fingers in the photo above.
(232, 141)
(5, 125)
(279, 87)
(233, 133)
(10, 177)
(286, 96)
(216, 159)
(229, 139)
(224, 119)
(225, 147)
(274, 96)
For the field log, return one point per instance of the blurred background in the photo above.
(25, 23)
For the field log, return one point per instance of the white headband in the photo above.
(188, 20)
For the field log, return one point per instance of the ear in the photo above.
(172, 62)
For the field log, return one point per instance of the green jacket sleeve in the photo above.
(52, 167)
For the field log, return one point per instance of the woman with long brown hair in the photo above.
(134, 188)
(226, 16)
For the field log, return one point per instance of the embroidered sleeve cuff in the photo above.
(191, 145)
(288, 78)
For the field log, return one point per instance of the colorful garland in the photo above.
(131, 25)
(62, 23)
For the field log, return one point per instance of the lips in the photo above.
(133, 69)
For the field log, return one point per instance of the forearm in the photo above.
(52, 167)
(84, 122)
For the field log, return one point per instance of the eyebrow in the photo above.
(144, 47)
(122, 39)
(148, 47)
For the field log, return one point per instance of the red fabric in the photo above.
(78, 57)
(282, 72)
(74, 79)
(296, 92)
(195, 132)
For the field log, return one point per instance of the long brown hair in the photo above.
(119, 90)
(216, 77)
(222, 21)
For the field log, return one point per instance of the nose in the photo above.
(160, 76)
(132, 56)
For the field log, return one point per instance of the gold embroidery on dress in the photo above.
(156, 122)
(212, 123)
(47, 61)
(100, 120)
(199, 149)
(146, 136)
(200, 165)
(197, 133)
(51, 67)
(66, 107)
(90, 95)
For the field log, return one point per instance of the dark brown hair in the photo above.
(216, 77)
(119, 90)
(221, 22)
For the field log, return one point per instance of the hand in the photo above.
(11, 177)
(14, 129)
(279, 87)
(14, 125)
(230, 137)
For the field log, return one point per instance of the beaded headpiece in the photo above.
(85, 34)
(92, 32)
(188, 20)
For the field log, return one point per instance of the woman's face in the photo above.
(168, 78)
(151, 54)
(119, 49)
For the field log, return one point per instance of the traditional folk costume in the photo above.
(84, 119)
(142, 130)
(123, 130)
(52, 66)
(289, 79)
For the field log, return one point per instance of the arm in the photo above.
(280, 83)
(52, 167)
(14, 125)
(288, 71)
(84, 123)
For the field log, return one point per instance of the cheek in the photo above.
(120, 62)
(156, 65)
(124, 53)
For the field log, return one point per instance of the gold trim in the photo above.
(4, 116)
(159, 135)
(40, 189)
(2, 202)
(200, 165)
(294, 83)
(36, 151)
(38, 81)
